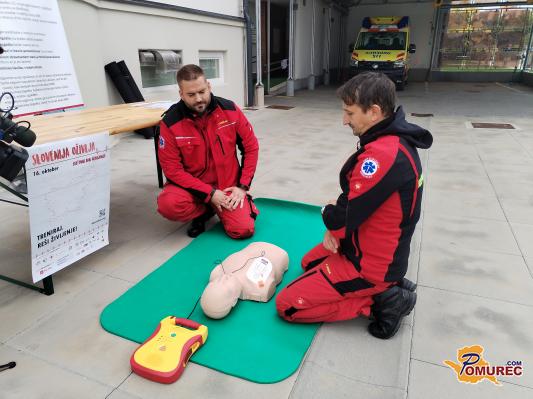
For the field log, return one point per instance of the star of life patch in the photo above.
(369, 167)
(161, 142)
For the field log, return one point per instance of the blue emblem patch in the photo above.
(161, 142)
(369, 167)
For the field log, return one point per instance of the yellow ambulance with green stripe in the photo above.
(383, 46)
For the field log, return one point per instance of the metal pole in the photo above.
(259, 88)
(340, 47)
(328, 36)
(311, 82)
(268, 47)
(290, 80)
(258, 40)
(248, 66)
(435, 46)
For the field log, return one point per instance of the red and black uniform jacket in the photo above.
(186, 142)
(375, 216)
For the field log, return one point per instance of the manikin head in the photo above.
(220, 296)
(368, 98)
(195, 90)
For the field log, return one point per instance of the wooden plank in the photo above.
(115, 119)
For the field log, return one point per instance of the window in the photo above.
(159, 67)
(491, 38)
(381, 41)
(213, 65)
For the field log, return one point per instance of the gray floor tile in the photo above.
(459, 181)
(446, 322)
(487, 274)
(469, 233)
(518, 210)
(524, 235)
(118, 253)
(439, 382)
(511, 153)
(511, 181)
(316, 382)
(135, 269)
(201, 382)
(21, 308)
(450, 138)
(462, 204)
(346, 349)
(449, 163)
(37, 378)
(119, 394)
(73, 338)
(529, 262)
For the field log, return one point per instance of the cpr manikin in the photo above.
(252, 274)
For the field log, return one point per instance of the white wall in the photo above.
(228, 7)
(85, 48)
(421, 19)
(102, 32)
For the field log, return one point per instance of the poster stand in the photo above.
(48, 283)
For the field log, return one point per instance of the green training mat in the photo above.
(252, 342)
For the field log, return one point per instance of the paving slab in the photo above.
(21, 308)
(346, 349)
(470, 233)
(439, 382)
(316, 382)
(447, 321)
(524, 236)
(518, 210)
(37, 378)
(480, 273)
(72, 337)
(461, 204)
(199, 381)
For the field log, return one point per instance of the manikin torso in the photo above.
(250, 274)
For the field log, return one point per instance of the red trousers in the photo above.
(331, 289)
(177, 204)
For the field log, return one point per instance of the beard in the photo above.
(355, 131)
(199, 107)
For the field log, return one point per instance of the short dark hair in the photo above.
(189, 72)
(367, 89)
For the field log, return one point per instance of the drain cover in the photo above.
(283, 107)
(480, 125)
(421, 115)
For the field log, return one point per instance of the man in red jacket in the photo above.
(197, 152)
(359, 267)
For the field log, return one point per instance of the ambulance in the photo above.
(383, 46)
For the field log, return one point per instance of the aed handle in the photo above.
(187, 323)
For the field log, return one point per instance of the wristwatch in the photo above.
(244, 187)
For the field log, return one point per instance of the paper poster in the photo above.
(69, 196)
(36, 66)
